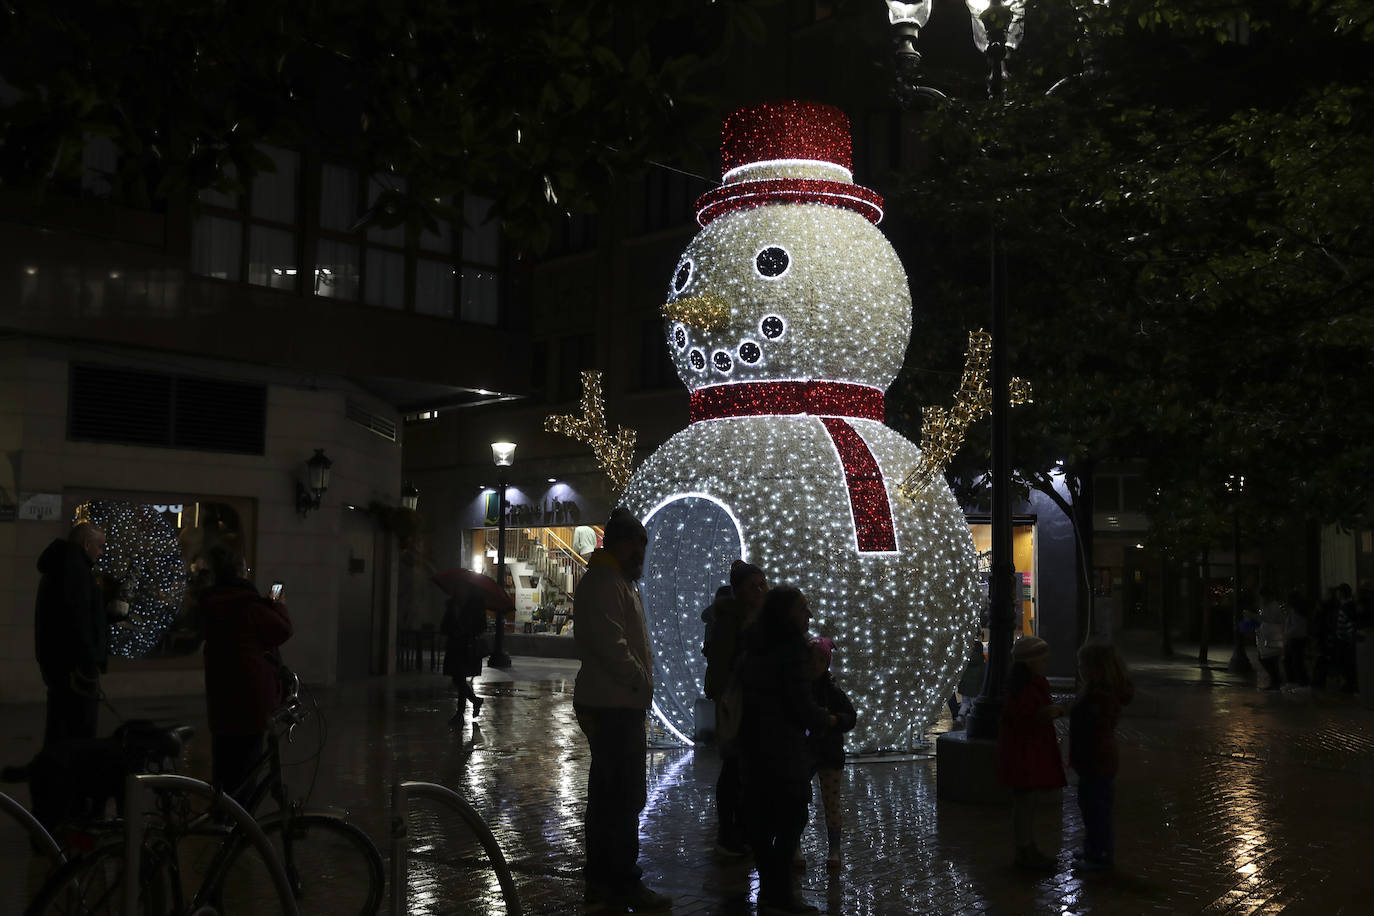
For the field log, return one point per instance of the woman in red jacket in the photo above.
(1027, 749)
(242, 669)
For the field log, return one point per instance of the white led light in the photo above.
(843, 301)
(773, 489)
(832, 171)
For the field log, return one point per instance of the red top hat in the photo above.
(787, 152)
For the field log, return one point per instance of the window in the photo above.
(336, 269)
(272, 222)
(216, 246)
(384, 265)
(267, 231)
(337, 260)
(385, 278)
(452, 270)
(434, 287)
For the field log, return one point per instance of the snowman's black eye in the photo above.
(683, 275)
(771, 262)
(722, 360)
(680, 337)
(772, 327)
(749, 352)
(698, 360)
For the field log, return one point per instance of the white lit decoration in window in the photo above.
(143, 554)
(787, 324)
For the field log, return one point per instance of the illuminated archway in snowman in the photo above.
(693, 539)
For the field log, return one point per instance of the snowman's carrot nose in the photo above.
(705, 312)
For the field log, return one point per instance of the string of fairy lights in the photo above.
(614, 452)
(943, 428)
(143, 554)
(787, 317)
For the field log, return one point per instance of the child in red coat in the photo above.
(1027, 749)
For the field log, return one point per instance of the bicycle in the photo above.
(330, 864)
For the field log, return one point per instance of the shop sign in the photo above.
(550, 511)
(41, 507)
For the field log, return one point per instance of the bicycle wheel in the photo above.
(28, 856)
(93, 885)
(338, 871)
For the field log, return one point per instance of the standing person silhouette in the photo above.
(1028, 758)
(243, 631)
(69, 633)
(730, 616)
(775, 760)
(614, 689)
(1092, 747)
(465, 645)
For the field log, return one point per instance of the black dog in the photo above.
(75, 779)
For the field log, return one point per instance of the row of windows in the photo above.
(256, 238)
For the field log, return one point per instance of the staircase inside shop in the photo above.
(545, 554)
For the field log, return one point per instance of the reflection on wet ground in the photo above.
(1230, 800)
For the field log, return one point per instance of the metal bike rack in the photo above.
(400, 793)
(36, 831)
(138, 789)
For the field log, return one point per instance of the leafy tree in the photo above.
(537, 104)
(1184, 192)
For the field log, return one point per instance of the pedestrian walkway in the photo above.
(1230, 800)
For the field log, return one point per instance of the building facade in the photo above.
(169, 373)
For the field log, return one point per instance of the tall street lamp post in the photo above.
(1240, 659)
(997, 28)
(503, 454)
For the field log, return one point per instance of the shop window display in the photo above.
(155, 565)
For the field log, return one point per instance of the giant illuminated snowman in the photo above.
(787, 317)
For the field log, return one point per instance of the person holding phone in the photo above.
(243, 631)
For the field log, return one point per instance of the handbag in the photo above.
(729, 713)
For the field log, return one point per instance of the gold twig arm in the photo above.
(614, 453)
(943, 429)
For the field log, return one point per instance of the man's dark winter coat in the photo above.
(69, 615)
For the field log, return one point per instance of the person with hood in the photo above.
(775, 758)
(69, 633)
(612, 694)
(243, 631)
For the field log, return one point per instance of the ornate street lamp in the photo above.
(308, 498)
(410, 496)
(997, 29)
(503, 455)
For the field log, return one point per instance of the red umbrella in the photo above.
(453, 581)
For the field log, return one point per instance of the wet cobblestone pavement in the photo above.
(1230, 800)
